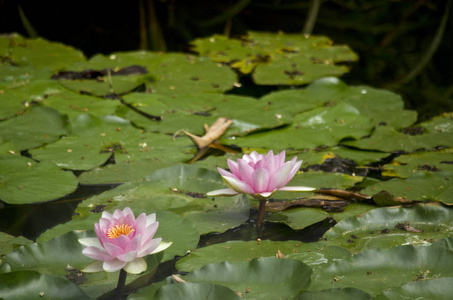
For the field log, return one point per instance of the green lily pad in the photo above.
(63, 256)
(74, 104)
(316, 255)
(118, 85)
(302, 217)
(123, 171)
(419, 187)
(427, 135)
(335, 294)
(266, 278)
(277, 58)
(174, 73)
(41, 53)
(193, 291)
(318, 127)
(31, 285)
(36, 127)
(406, 165)
(23, 180)
(191, 112)
(440, 289)
(94, 140)
(387, 228)
(377, 270)
(9, 243)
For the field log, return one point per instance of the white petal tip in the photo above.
(162, 246)
(296, 189)
(222, 192)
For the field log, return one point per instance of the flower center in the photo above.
(118, 230)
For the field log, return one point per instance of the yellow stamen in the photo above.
(118, 230)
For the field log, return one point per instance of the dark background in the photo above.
(391, 37)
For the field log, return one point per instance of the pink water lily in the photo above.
(122, 242)
(260, 175)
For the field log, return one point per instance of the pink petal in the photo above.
(149, 247)
(122, 241)
(96, 253)
(271, 166)
(136, 266)
(117, 214)
(104, 225)
(113, 265)
(294, 169)
(261, 180)
(113, 250)
(225, 173)
(150, 231)
(128, 212)
(281, 157)
(279, 177)
(246, 172)
(222, 192)
(140, 224)
(134, 244)
(238, 186)
(233, 166)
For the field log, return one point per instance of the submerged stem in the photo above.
(121, 283)
(260, 219)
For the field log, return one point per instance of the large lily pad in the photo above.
(376, 270)
(439, 289)
(406, 165)
(266, 278)
(391, 227)
(30, 285)
(421, 186)
(318, 127)
(23, 180)
(93, 140)
(335, 294)
(36, 127)
(74, 104)
(194, 291)
(174, 73)
(427, 136)
(9, 243)
(40, 53)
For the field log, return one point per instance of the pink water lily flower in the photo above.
(122, 242)
(260, 175)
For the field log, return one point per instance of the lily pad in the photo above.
(440, 289)
(74, 104)
(266, 278)
(195, 291)
(278, 58)
(41, 53)
(419, 187)
(23, 180)
(9, 243)
(318, 127)
(391, 227)
(94, 140)
(36, 127)
(406, 165)
(174, 73)
(376, 270)
(335, 294)
(30, 285)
